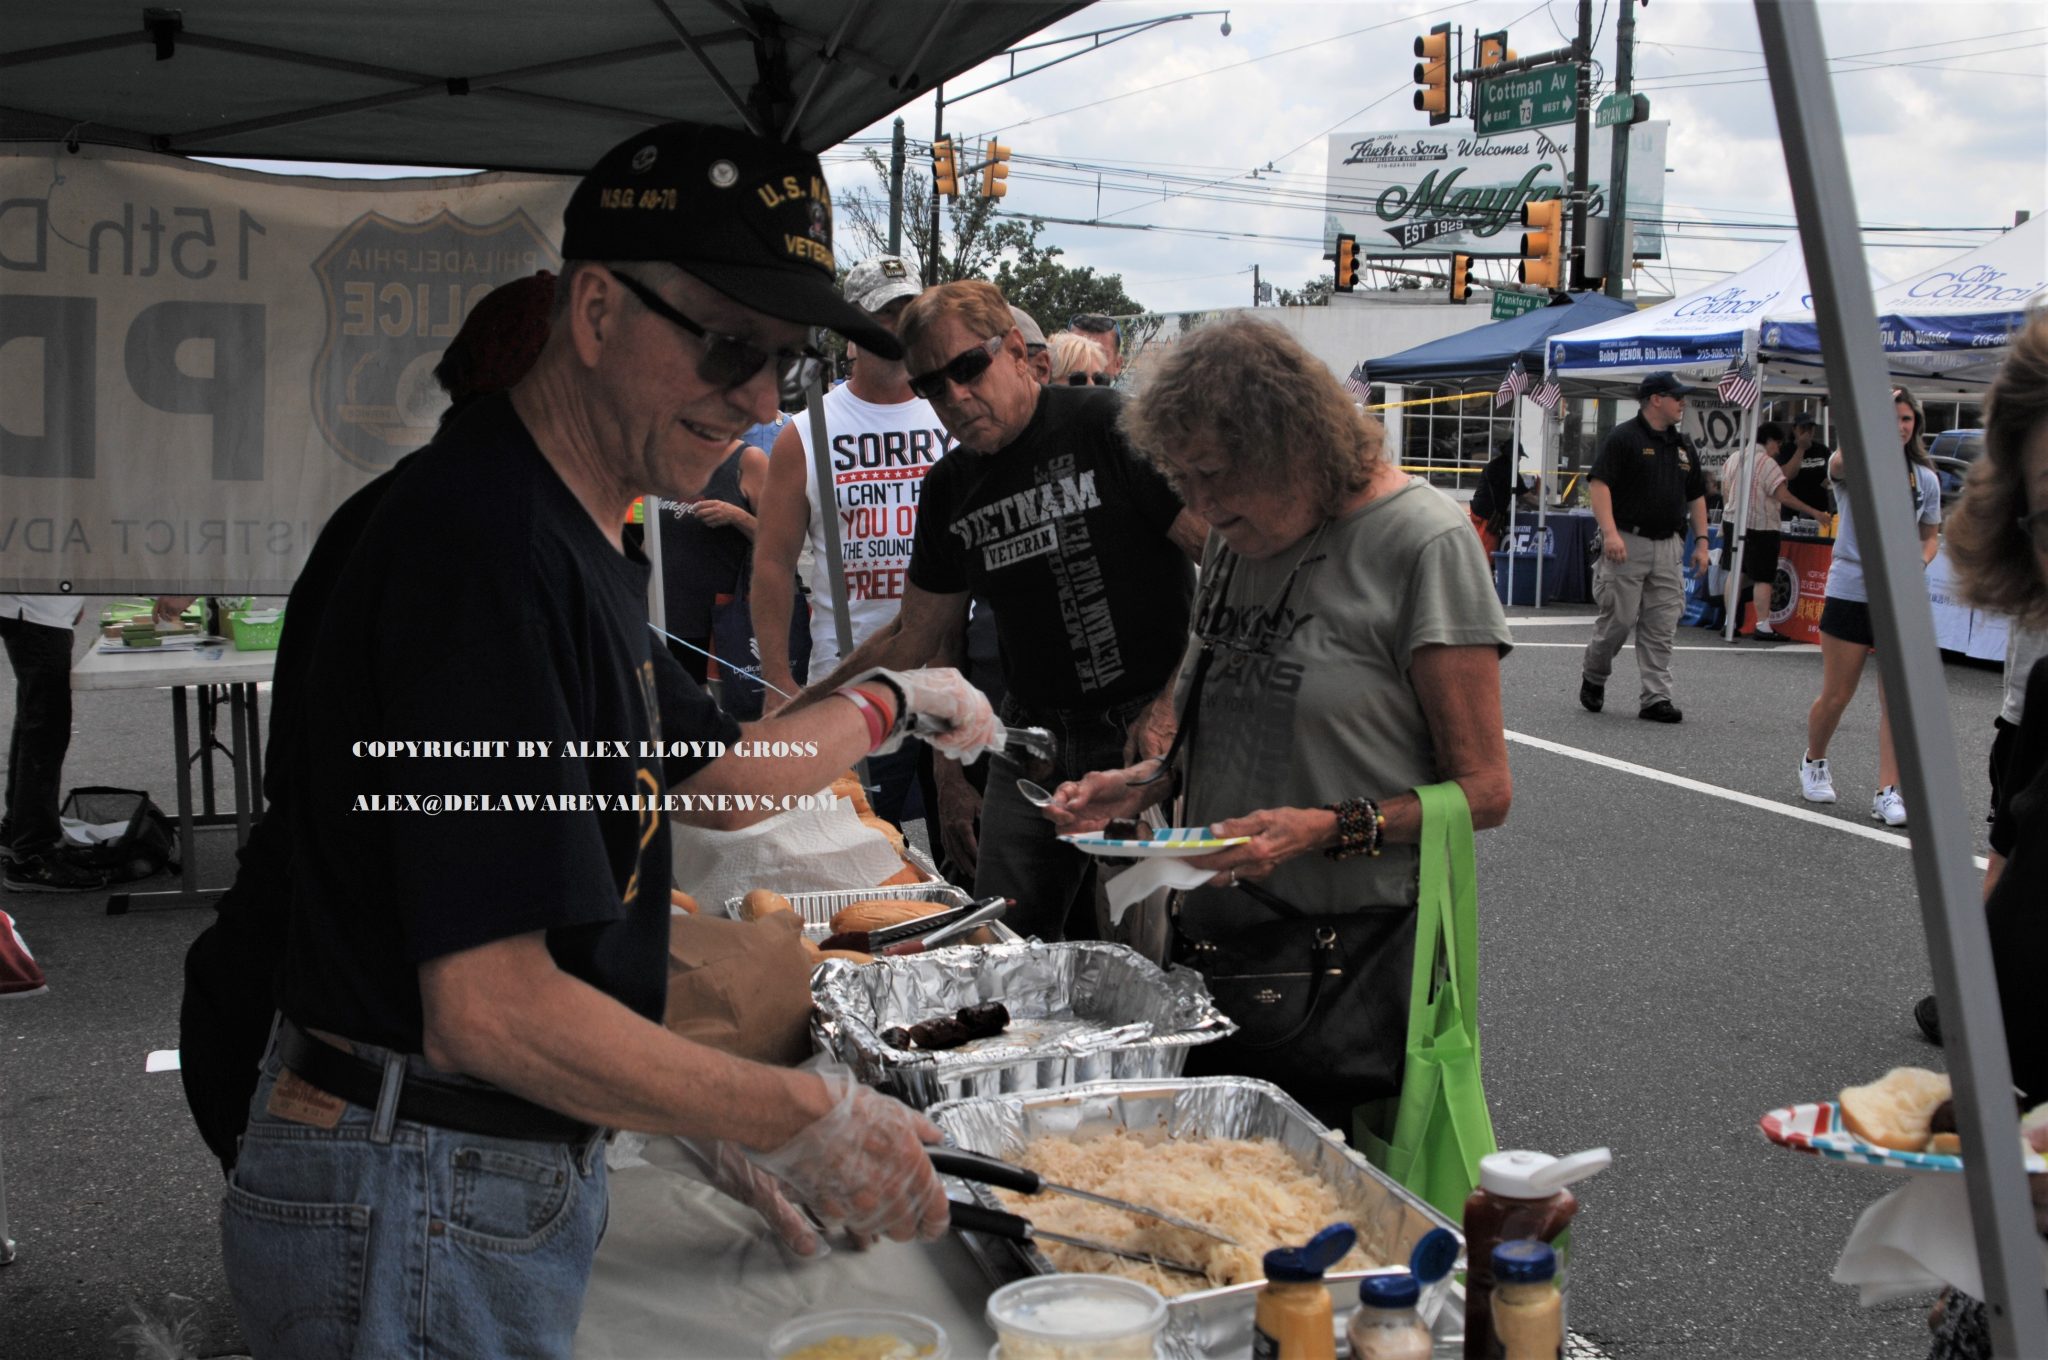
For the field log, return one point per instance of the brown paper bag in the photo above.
(743, 987)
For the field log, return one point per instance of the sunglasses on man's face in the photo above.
(1083, 379)
(964, 368)
(728, 360)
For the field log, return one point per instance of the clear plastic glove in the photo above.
(862, 1164)
(943, 708)
(729, 1172)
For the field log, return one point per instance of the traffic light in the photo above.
(1493, 49)
(1543, 248)
(1461, 277)
(996, 171)
(1433, 74)
(1347, 263)
(945, 171)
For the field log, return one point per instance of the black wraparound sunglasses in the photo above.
(964, 368)
(730, 361)
(1083, 379)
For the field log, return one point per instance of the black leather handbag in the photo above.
(1321, 1001)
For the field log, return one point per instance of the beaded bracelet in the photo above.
(1360, 828)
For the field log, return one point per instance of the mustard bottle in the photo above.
(1528, 1312)
(1293, 1320)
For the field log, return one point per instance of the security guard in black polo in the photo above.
(1645, 484)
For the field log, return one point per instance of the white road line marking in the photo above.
(1795, 648)
(1568, 621)
(1716, 791)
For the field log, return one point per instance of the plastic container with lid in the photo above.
(1293, 1318)
(859, 1334)
(1528, 1312)
(1520, 1195)
(1386, 1325)
(1076, 1317)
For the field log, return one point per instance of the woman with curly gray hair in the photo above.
(1346, 650)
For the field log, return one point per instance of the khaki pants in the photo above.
(1645, 594)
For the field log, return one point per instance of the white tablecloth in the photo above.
(686, 1274)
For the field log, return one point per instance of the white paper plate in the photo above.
(1168, 842)
(1817, 1127)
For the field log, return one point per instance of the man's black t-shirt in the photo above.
(1064, 533)
(1653, 476)
(1810, 483)
(481, 606)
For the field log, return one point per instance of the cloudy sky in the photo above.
(1946, 104)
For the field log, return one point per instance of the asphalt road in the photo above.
(1659, 966)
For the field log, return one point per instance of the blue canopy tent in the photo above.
(1486, 351)
(1483, 354)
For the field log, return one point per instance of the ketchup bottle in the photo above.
(1520, 1195)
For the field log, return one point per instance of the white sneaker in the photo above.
(1816, 785)
(1888, 807)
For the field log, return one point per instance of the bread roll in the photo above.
(1895, 1111)
(882, 911)
(763, 902)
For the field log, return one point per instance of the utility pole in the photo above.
(1582, 131)
(896, 157)
(1255, 285)
(1617, 177)
(931, 257)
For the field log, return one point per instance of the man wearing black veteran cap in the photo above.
(476, 969)
(1646, 483)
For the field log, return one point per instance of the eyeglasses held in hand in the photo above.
(728, 360)
(1083, 379)
(964, 368)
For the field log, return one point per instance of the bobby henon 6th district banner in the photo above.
(198, 364)
(1425, 194)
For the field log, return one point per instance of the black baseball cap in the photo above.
(750, 217)
(1805, 418)
(1661, 384)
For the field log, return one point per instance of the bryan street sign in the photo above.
(1618, 109)
(1527, 99)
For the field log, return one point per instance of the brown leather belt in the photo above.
(422, 1100)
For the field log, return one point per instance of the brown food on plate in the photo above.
(882, 911)
(1897, 1110)
(763, 902)
(1121, 829)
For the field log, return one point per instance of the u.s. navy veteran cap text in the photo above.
(751, 218)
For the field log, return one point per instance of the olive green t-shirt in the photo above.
(1308, 698)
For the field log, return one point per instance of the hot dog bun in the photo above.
(763, 902)
(882, 911)
(1895, 1111)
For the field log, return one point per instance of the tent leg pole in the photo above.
(1952, 913)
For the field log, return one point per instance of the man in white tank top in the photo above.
(882, 442)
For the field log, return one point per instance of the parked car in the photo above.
(1953, 451)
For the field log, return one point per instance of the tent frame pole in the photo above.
(1952, 913)
(1749, 466)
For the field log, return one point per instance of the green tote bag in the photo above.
(1441, 1125)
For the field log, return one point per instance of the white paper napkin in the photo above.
(1915, 1240)
(1145, 878)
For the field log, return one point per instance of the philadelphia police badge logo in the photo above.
(397, 293)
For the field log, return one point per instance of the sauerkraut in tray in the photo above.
(1251, 1189)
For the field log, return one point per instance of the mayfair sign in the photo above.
(1422, 194)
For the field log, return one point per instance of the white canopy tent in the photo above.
(1949, 327)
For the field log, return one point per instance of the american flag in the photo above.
(1738, 386)
(1547, 394)
(1511, 386)
(1356, 384)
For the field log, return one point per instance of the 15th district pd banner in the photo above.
(198, 364)
(1423, 194)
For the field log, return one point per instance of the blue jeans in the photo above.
(383, 1238)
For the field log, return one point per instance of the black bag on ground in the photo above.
(1321, 1002)
(145, 849)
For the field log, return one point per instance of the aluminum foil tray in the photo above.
(1211, 1322)
(1080, 1011)
(818, 908)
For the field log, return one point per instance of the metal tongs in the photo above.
(1012, 1228)
(974, 1166)
(1035, 748)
